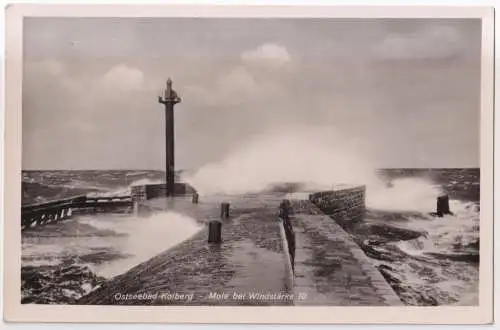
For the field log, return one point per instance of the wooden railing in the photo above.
(54, 211)
(40, 214)
(103, 204)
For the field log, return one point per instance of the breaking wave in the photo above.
(427, 260)
(405, 194)
(123, 191)
(317, 158)
(144, 238)
(60, 265)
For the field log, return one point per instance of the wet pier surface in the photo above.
(247, 268)
(250, 266)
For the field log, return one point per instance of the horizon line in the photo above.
(187, 169)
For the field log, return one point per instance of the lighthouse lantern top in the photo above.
(170, 96)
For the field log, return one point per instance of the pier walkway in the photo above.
(250, 266)
(330, 268)
(247, 266)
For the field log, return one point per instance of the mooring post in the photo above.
(215, 231)
(443, 206)
(224, 210)
(195, 198)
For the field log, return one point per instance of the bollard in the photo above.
(195, 198)
(443, 206)
(214, 231)
(224, 210)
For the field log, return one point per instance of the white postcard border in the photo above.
(15, 311)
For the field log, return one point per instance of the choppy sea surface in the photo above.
(427, 260)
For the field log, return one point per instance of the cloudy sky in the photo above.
(405, 92)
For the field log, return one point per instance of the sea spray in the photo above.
(124, 190)
(440, 266)
(317, 157)
(62, 263)
(145, 238)
(145, 181)
(449, 235)
(404, 194)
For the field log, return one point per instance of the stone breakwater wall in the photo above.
(343, 204)
(329, 266)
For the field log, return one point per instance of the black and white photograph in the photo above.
(252, 161)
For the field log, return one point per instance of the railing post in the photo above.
(27, 222)
(39, 219)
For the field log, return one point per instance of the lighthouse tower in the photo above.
(169, 99)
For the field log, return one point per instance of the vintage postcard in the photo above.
(259, 164)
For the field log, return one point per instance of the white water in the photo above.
(460, 229)
(146, 238)
(123, 191)
(145, 181)
(405, 194)
(430, 272)
(318, 157)
(142, 239)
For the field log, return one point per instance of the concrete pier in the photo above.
(330, 268)
(242, 270)
(252, 264)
